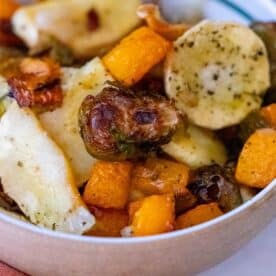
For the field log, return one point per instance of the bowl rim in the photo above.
(134, 240)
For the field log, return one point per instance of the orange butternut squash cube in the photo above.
(257, 162)
(269, 113)
(154, 216)
(160, 176)
(133, 207)
(7, 8)
(109, 222)
(135, 55)
(109, 184)
(198, 215)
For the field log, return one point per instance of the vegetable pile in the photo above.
(154, 127)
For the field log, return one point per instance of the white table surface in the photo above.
(258, 258)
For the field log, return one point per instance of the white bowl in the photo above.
(43, 252)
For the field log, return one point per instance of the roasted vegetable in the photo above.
(198, 215)
(119, 124)
(247, 193)
(136, 54)
(8, 203)
(62, 123)
(250, 124)
(269, 113)
(151, 14)
(36, 175)
(109, 222)
(7, 9)
(267, 32)
(37, 85)
(196, 147)
(214, 183)
(155, 215)
(233, 144)
(70, 23)
(10, 59)
(270, 96)
(184, 202)
(214, 76)
(160, 176)
(108, 186)
(257, 162)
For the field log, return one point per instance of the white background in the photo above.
(258, 258)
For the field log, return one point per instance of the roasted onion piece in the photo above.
(119, 124)
(214, 183)
(37, 85)
(151, 14)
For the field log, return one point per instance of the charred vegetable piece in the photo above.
(7, 9)
(184, 202)
(59, 52)
(270, 96)
(267, 32)
(233, 143)
(10, 59)
(118, 124)
(250, 124)
(151, 14)
(7, 203)
(214, 183)
(37, 85)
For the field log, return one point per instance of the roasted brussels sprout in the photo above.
(250, 124)
(184, 202)
(267, 32)
(214, 183)
(233, 143)
(119, 124)
(7, 203)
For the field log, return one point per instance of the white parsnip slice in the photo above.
(36, 175)
(68, 22)
(62, 124)
(196, 147)
(217, 73)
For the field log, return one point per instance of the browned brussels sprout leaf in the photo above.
(184, 202)
(214, 183)
(250, 124)
(120, 124)
(267, 32)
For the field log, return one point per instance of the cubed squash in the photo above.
(257, 162)
(198, 215)
(109, 184)
(135, 55)
(154, 216)
(7, 9)
(160, 176)
(109, 222)
(269, 113)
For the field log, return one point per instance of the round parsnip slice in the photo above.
(217, 73)
(196, 147)
(37, 176)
